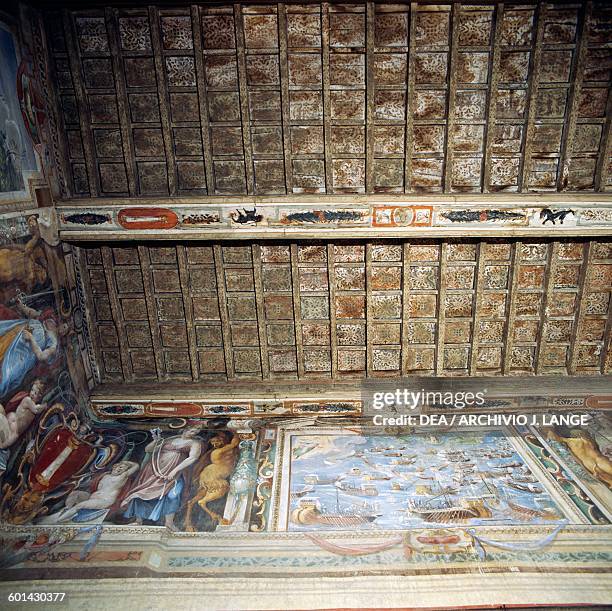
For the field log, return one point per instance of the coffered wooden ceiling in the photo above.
(336, 310)
(333, 98)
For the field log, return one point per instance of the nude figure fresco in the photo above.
(35, 332)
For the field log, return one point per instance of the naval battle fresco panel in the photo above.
(342, 480)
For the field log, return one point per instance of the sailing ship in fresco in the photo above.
(404, 461)
(363, 490)
(547, 513)
(298, 494)
(309, 512)
(446, 512)
(440, 508)
(446, 479)
(316, 480)
(524, 487)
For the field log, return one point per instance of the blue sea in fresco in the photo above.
(459, 478)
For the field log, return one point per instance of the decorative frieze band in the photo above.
(167, 220)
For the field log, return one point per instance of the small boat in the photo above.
(490, 474)
(423, 490)
(374, 477)
(467, 509)
(364, 490)
(510, 465)
(465, 481)
(396, 487)
(402, 475)
(403, 461)
(546, 514)
(316, 480)
(530, 479)
(465, 467)
(527, 487)
(298, 494)
(441, 467)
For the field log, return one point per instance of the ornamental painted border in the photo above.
(106, 409)
(184, 221)
(347, 405)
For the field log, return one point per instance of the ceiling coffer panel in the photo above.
(334, 98)
(208, 312)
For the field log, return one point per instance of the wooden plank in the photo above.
(549, 287)
(89, 309)
(368, 312)
(74, 57)
(370, 92)
(284, 79)
(477, 306)
(333, 334)
(441, 317)
(202, 97)
(164, 101)
(112, 24)
(405, 305)
(606, 359)
(409, 135)
(452, 89)
(606, 348)
(498, 16)
(532, 90)
(149, 294)
(329, 183)
(511, 308)
(605, 152)
(575, 81)
(223, 314)
(117, 313)
(580, 314)
(244, 99)
(188, 309)
(261, 316)
(46, 73)
(297, 311)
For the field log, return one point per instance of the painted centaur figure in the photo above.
(213, 480)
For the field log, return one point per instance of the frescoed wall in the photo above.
(178, 480)
(39, 351)
(17, 158)
(201, 478)
(341, 480)
(323, 501)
